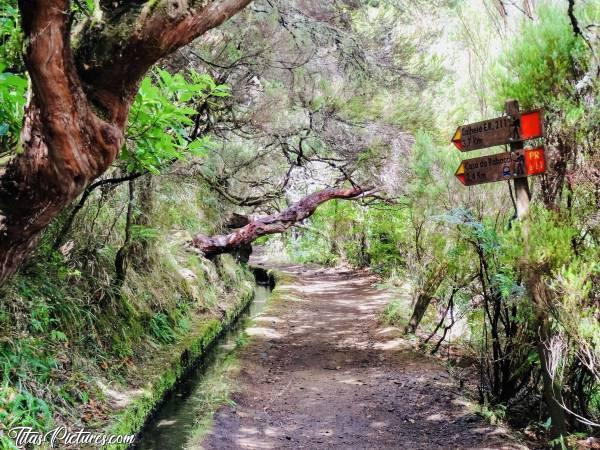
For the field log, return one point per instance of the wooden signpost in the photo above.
(501, 130)
(501, 166)
(517, 165)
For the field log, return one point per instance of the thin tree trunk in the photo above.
(552, 389)
(423, 301)
(334, 246)
(141, 249)
(123, 252)
(431, 284)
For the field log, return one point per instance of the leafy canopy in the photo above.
(161, 122)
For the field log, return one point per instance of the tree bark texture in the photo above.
(79, 101)
(274, 223)
(432, 282)
(552, 388)
(421, 305)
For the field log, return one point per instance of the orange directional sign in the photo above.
(502, 166)
(535, 161)
(498, 131)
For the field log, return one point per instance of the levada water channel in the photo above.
(173, 424)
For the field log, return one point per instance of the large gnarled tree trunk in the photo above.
(80, 98)
(275, 223)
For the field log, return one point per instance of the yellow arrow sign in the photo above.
(460, 173)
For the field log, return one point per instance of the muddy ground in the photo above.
(322, 372)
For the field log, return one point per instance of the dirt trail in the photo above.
(321, 372)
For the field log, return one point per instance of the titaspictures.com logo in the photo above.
(61, 437)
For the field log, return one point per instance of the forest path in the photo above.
(321, 372)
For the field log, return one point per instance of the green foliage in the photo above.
(348, 231)
(162, 119)
(143, 233)
(12, 101)
(161, 329)
(386, 242)
(397, 312)
(57, 335)
(431, 171)
(85, 8)
(26, 360)
(551, 245)
(542, 66)
(13, 85)
(440, 238)
(495, 414)
(21, 408)
(11, 38)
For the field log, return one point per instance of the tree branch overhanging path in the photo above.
(80, 98)
(212, 246)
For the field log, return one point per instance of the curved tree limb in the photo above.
(64, 144)
(211, 246)
(132, 36)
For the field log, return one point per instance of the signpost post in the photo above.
(513, 128)
(522, 194)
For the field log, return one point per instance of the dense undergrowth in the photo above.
(68, 330)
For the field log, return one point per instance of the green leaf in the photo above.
(161, 119)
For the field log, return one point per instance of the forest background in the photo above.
(291, 97)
